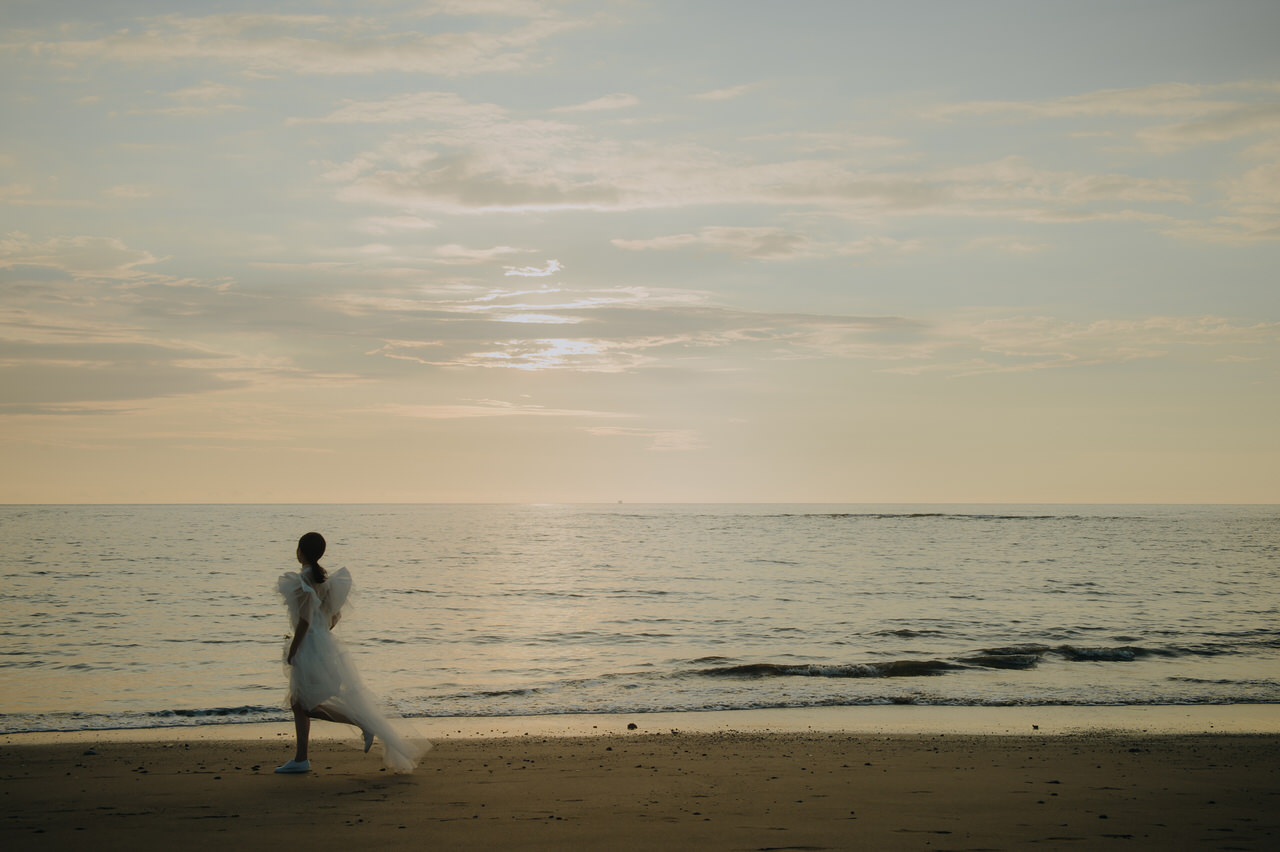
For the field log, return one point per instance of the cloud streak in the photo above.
(765, 243)
(312, 44)
(618, 100)
(629, 331)
(501, 164)
(1163, 100)
(487, 408)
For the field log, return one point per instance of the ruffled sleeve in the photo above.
(339, 587)
(294, 591)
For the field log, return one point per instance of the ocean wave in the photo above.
(1079, 653)
(1003, 661)
(214, 712)
(907, 633)
(898, 668)
(504, 693)
(1124, 654)
(23, 723)
(489, 705)
(1010, 657)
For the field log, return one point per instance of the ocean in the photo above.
(150, 616)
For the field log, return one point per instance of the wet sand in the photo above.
(645, 789)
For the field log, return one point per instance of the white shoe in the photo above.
(294, 767)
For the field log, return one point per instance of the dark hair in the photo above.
(311, 548)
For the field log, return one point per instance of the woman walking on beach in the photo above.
(323, 681)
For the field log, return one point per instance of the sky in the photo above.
(638, 250)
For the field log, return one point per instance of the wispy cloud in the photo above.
(133, 191)
(433, 106)
(52, 365)
(1238, 121)
(622, 333)
(726, 94)
(1206, 113)
(485, 408)
(551, 268)
(1011, 344)
(205, 99)
(765, 243)
(454, 253)
(516, 165)
(1250, 204)
(659, 440)
(93, 258)
(618, 100)
(314, 44)
(1006, 244)
(394, 224)
(1160, 100)
(80, 257)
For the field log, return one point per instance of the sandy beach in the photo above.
(677, 788)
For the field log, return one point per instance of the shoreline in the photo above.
(880, 719)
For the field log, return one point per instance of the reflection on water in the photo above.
(144, 615)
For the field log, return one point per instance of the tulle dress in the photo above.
(323, 675)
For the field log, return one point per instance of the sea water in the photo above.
(144, 616)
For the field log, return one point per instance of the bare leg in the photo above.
(330, 715)
(302, 727)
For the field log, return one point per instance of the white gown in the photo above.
(323, 675)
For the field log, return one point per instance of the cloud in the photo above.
(500, 303)
(80, 257)
(207, 91)
(835, 141)
(1252, 202)
(486, 408)
(551, 268)
(725, 94)
(495, 8)
(626, 331)
(9, 193)
(764, 243)
(456, 254)
(618, 100)
(394, 224)
(660, 440)
(535, 354)
(89, 258)
(73, 409)
(1006, 245)
(1228, 230)
(1159, 100)
(499, 164)
(205, 99)
(439, 107)
(1239, 121)
(966, 346)
(135, 191)
(314, 44)
(611, 330)
(1206, 113)
(49, 377)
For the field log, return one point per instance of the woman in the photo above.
(323, 682)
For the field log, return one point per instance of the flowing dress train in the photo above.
(323, 676)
